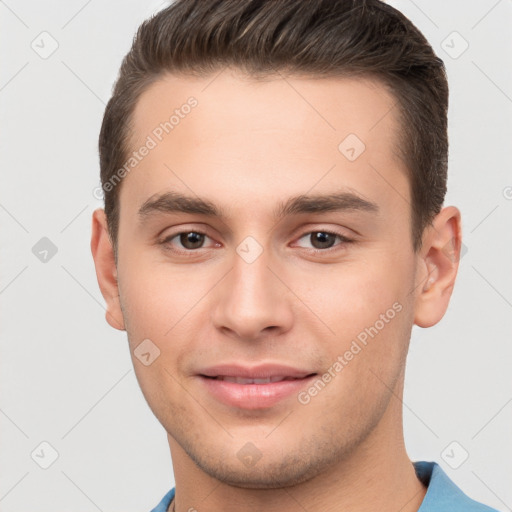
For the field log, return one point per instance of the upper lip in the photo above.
(260, 371)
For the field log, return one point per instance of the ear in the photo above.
(106, 271)
(437, 267)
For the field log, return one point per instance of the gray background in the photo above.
(66, 377)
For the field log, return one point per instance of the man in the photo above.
(274, 176)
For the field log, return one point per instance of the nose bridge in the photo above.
(252, 299)
(251, 279)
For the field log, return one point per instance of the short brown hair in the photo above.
(322, 38)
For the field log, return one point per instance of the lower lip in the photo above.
(253, 396)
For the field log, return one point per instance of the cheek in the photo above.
(155, 296)
(369, 310)
(351, 297)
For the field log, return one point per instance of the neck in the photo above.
(376, 475)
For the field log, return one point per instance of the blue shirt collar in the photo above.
(442, 494)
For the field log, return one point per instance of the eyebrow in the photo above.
(175, 202)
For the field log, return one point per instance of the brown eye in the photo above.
(191, 240)
(185, 241)
(322, 239)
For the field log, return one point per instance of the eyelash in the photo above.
(191, 252)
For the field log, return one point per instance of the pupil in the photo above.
(191, 240)
(324, 239)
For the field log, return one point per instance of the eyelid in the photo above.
(344, 239)
(167, 239)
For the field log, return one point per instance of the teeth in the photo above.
(242, 380)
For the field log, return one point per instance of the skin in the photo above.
(247, 146)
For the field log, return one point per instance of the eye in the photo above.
(189, 241)
(322, 241)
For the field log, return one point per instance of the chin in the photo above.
(287, 471)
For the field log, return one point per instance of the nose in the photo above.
(252, 302)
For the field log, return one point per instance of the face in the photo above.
(297, 264)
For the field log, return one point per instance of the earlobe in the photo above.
(106, 270)
(438, 265)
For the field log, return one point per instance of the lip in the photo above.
(254, 396)
(260, 371)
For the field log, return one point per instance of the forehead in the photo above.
(281, 133)
(232, 101)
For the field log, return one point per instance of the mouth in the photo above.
(259, 387)
(267, 380)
